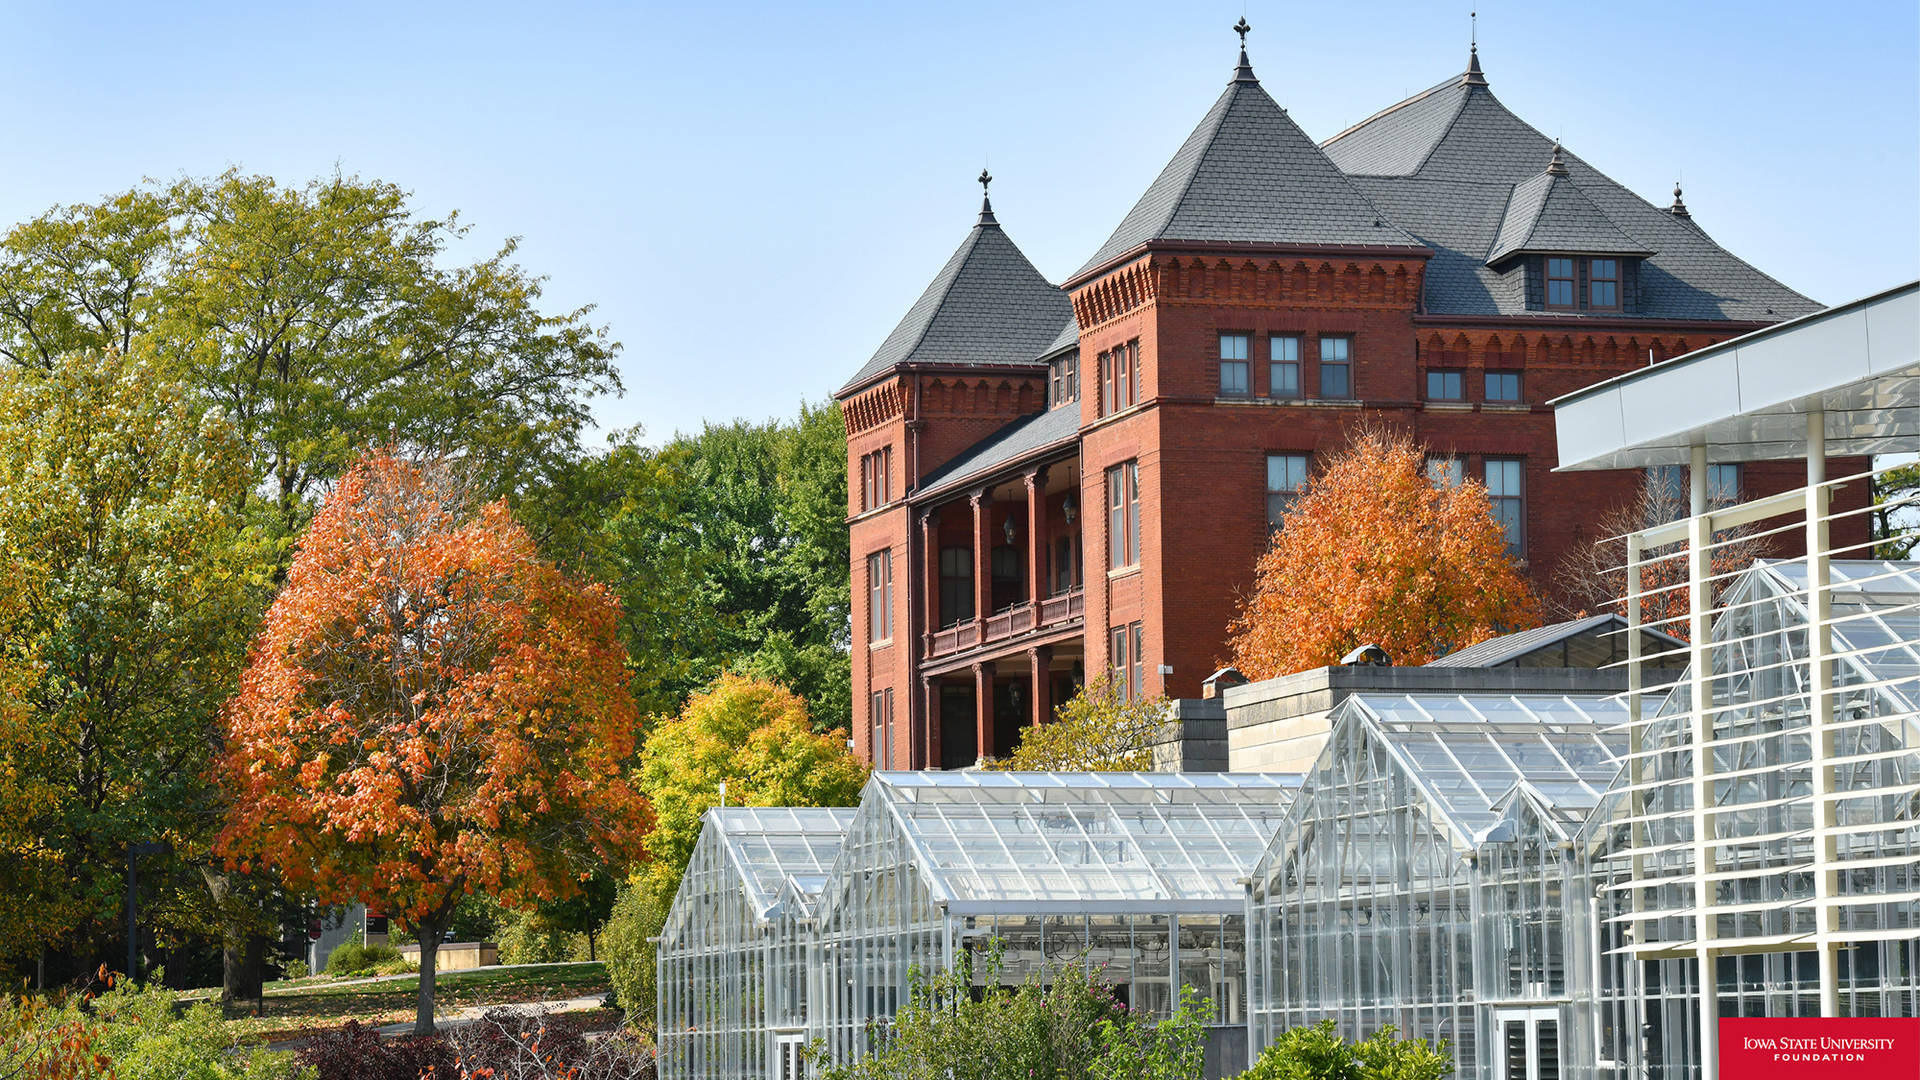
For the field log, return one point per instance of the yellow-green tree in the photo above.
(1375, 552)
(1097, 730)
(133, 585)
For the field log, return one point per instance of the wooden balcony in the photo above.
(1057, 610)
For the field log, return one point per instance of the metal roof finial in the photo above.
(1556, 167)
(1243, 73)
(986, 204)
(1679, 207)
(1474, 76)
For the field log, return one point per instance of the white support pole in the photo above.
(1820, 703)
(1700, 685)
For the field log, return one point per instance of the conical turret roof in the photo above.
(1248, 174)
(987, 306)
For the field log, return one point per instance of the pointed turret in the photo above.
(987, 306)
(1243, 73)
(1248, 174)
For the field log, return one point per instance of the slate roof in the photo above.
(1548, 213)
(1014, 441)
(987, 306)
(1248, 174)
(1444, 165)
(1067, 338)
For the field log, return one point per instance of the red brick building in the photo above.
(1047, 480)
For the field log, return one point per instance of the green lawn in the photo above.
(299, 1008)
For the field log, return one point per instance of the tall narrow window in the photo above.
(880, 596)
(1336, 360)
(1446, 384)
(1107, 400)
(1072, 365)
(1283, 369)
(1123, 359)
(1559, 282)
(1235, 366)
(1723, 484)
(1121, 640)
(1139, 658)
(1448, 472)
(1603, 284)
(866, 482)
(882, 748)
(1503, 386)
(956, 585)
(1128, 648)
(1505, 488)
(1123, 515)
(1286, 475)
(1057, 383)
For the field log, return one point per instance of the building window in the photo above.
(882, 747)
(1123, 515)
(1283, 370)
(1559, 282)
(876, 470)
(1503, 386)
(1449, 472)
(1446, 384)
(1286, 476)
(880, 596)
(1072, 365)
(956, 585)
(1335, 367)
(1672, 500)
(1506, 490)
(1235, 367)
(1120, 378)
(1063, 383)
(1129, 647)
(1062, 565)
(1603, 284)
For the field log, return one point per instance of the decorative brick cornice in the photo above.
(1245, 280)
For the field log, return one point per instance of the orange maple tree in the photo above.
(1374, 552)
(431, 710)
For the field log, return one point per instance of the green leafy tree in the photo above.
(1896, 511)
(1320, 1053)
(135, 586)
(1097, 730)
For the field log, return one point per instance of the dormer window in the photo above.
(1560, 285)
(1603, 284)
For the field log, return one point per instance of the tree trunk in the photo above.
(429, 953)
(241, 977)
(590, 957)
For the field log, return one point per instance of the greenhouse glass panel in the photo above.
(1658, 893)
(733, 956)
(1420, 879)
(1137, 876)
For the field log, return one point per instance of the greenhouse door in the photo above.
(788, 1064)
(1529, 1047)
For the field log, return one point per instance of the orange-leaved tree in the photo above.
(1375, 552)
(431, 710)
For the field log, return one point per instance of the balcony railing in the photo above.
(1057, 610)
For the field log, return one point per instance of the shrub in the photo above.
(630, 956)
(529, 937)
(129, 1033)
(354, 958)
(357, 1052)
(294, 969)
(1319, 1053)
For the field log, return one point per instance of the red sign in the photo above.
(1819, 1048)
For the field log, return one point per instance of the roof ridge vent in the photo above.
(1556, 167)
(1243, 73)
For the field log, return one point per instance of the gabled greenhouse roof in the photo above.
(779, 849)
(1149, 843)
(1876, 614)
(1468, 752)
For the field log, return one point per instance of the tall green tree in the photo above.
(135, 585)
(323, 319)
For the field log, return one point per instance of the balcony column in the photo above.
(926, 748)
(1036, 539)
(982, 502)
(1040, 658)
(929, 579)
(982, 712)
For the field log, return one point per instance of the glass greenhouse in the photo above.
(1744, 878)
(1420, 877)
(1137, 875)
(733, 955)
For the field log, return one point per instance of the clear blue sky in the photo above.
(753, 194)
